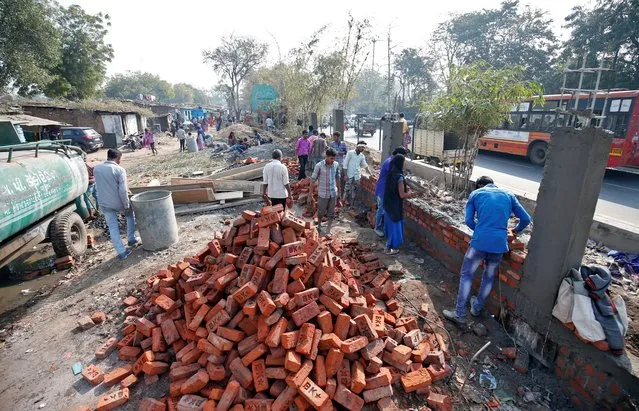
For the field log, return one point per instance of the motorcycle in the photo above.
(132, 142)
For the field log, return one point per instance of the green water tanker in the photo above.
(41, 190)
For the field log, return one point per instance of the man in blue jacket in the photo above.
(488, 211)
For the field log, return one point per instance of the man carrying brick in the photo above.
(276, 188)
(325, 175)
(113, 198)
(354, 160)
(379, 190)
(488, 211)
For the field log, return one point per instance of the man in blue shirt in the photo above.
(379, 190)
(487, 213)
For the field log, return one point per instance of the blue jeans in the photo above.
(111, 217)
(472, 260)
(379, 217)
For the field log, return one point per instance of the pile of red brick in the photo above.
(268, 316)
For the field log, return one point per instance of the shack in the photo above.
(113, 120)
(34, 128)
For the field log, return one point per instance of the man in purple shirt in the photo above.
(302, 149)
(379, 190)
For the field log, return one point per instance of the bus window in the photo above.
(524, 106)
(515, 120)
(548, 106)
(523, 124)
(535, 122)
(617, 123)
(547, 122)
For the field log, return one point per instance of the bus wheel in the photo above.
(537, 153)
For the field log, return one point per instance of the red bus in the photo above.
(528, 129)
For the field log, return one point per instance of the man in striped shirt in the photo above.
(325, 175)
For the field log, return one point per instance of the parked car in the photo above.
(84, 137)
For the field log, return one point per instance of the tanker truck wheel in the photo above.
(68, 235)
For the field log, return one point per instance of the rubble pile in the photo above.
(270, 316)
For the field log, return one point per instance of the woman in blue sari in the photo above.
(394, 195)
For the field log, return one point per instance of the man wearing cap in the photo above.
(354, 160)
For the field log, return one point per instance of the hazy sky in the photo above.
(167, 37)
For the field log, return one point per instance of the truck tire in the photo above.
(538, 152)
(68, 235)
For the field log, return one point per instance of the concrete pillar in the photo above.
(568, 193)
(338, 121)
(392, 137)
(313, 120)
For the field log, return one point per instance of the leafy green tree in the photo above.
(29, 45)
(607, 33)
(479, 99)
(186, 93)
(505, 36)
(234, 60)
(412, 71)
(369, 95)
(129, 85)
(84, 53)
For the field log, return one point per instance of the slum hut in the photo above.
(34, 128)
(113, 119)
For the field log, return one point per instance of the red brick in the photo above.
(195, 383)
(416, 380)
(439, 402)
(305, 339)
(113, 400)
(115, 376)
(92, 374)
(151, 404)
(107, 348)
(191, 402)
(306, 313)
(348, 399)
(378, 393)
(313, 394)
(155, 367)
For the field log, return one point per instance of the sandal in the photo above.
(391, 251)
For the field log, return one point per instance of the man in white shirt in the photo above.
(113, 198)
(354, 160)
(181, 135)
(276, 188)
(269, 124)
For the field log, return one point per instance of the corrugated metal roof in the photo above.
(27, 120)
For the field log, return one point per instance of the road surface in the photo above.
(618, 200)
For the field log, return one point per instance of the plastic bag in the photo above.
(584, 319)
(564, 303)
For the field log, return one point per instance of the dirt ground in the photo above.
(40, 340)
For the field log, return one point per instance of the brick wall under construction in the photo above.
(593, 379)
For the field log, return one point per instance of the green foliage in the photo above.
(412, 70)
(234, 60)
(82, 68)
(369, 95)
(608, 32)
(186, 93)
(29, 45)
(505, 36)
(129, 85)
(480, 98)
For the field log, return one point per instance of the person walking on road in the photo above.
(113, 198)
(318, 150)
(354, 160)
(302, 149)
(325, 175)
(340, 148)
(276, 188)
(488, 211)
(379, 190)
(395, 192)
(406, 140)
(181, 135)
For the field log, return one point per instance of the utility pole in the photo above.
(389, 70)
(371, 81)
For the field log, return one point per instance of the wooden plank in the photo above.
(252, 187)
(194, 195)
(203, 209)
(247, 172)
(231, 195)
(173, 187)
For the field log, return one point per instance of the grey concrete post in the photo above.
(338, 121)
(313, 120)
(563, 216)
(392, 131)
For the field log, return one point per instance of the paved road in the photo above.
(618, 200)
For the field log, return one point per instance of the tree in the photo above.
(506, 36)
(84, 53)
(131, 84)
(479, 99)
(412, 70)
(353, 56)
(186, 93)
(29, 45)
(369, 94)
(608, 33)
(234, 60)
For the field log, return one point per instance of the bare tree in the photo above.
(354, 56)
(234, 60)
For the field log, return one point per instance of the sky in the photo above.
(167, 38)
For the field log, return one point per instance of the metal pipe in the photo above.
(470, 366)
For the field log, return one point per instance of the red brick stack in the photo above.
(270, 315)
